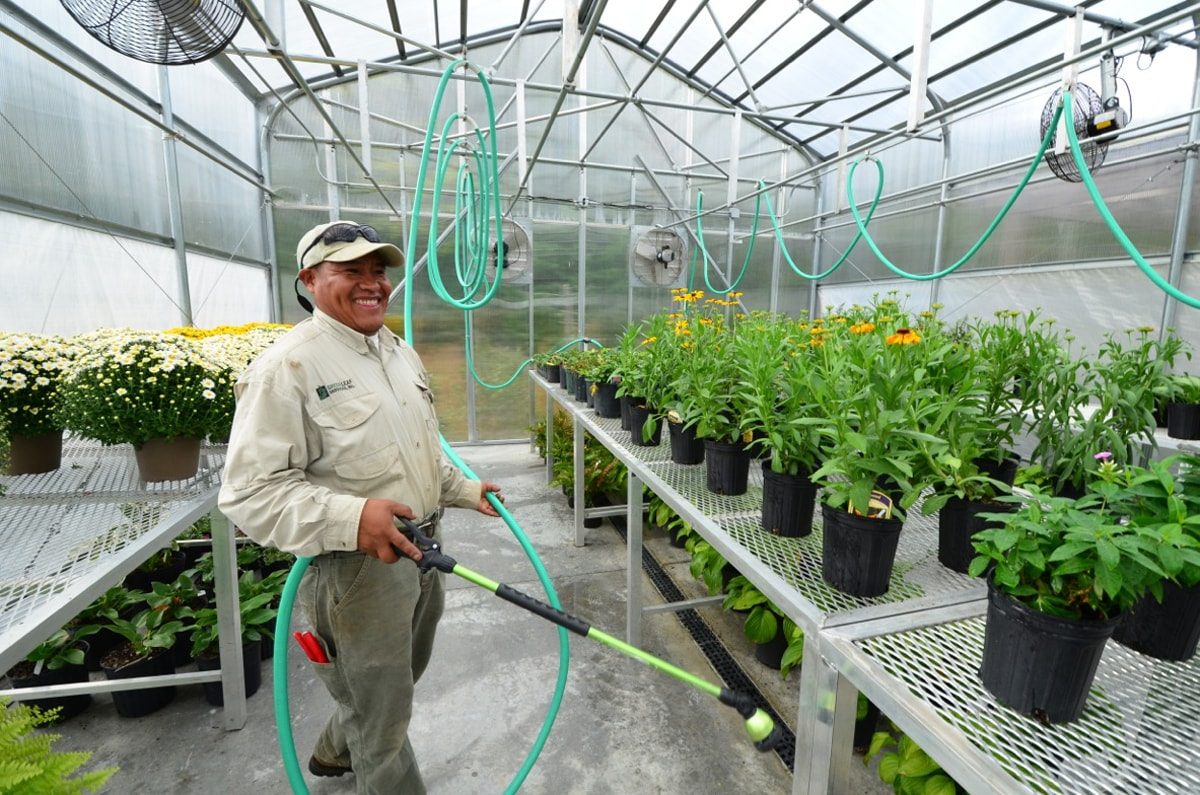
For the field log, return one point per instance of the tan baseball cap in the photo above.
(342, 241)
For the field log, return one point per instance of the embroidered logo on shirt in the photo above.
(325, 390)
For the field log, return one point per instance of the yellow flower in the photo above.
(904, 336)
(862, 328)
(649, 340)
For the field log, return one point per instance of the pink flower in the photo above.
(1102, 456)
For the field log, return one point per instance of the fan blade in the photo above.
(646, 249)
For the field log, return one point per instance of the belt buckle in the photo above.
(429, 523)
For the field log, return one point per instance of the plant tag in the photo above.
(37, 667)
(878, 507)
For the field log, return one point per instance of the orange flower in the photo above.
(904, 336)
(862, 328)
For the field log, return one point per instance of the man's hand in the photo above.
(484, 506)
(377, 532)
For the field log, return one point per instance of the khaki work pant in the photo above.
(376, 622)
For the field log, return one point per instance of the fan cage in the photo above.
(518, 254)
(645, 270)
(1086, 105)
(166, 32)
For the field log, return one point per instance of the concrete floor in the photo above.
(623, 728)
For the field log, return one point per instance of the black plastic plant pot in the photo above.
(857, 551)
(1168, 630)
(639, 415)
(787, 503)
(686, 449)
(69, 706)
(958, 522)
(569, 380)
(727, 467)
(771, 653)
(624, 399)
(582, 389)
(99, 645)
(1183, 420)
(136, 703)
(606, 403)
(551, 372)
(589, 394)
(252, 658)
(864, 728)
(144, 580)
(1038, 664)
(1004, 470)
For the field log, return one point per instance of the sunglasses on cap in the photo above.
(345, 232)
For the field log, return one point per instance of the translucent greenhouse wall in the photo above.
(568, 239)
(85, 197)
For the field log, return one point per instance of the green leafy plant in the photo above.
(28, 762)
(65, 647)
(257, 614)
(1181, 389)
(707, 564)
(147, 633)
(1073, 558)
(109, 605)
(905, 767)
(765, 621)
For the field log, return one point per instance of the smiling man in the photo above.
(335, 435)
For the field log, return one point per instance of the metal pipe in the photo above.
(1183, 214)
(385, 31)
(562, 95)
(516, 36)
(733, 56)
(175, 203)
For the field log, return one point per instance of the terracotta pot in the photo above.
(31, 455)
(168, 459)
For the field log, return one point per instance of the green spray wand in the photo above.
(759, 725)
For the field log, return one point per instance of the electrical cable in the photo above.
(1107, 216)
(472, 274)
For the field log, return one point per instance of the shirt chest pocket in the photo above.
(356, 440)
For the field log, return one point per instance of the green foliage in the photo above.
(905, 767)
(28, 763)
(147, 632)
(63, 648)
(1093, 557)
(547, 359)
(257, 614)
(707, 564)
(1181, 389)
(109, 604)
(764, 621)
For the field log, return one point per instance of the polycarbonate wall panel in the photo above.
(203, 96)
(220, 211)
(93, 280)
(67, 147)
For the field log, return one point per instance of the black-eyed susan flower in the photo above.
(904, 336)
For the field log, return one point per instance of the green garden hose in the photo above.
(471, 242)
(704, 249)
(845, 254)
(987, 233)
(1107, 215)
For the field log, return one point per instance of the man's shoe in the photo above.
(319, 768)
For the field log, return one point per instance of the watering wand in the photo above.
(759, 725)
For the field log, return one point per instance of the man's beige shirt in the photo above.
(322, 424)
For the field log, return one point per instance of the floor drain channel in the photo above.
(718, 656)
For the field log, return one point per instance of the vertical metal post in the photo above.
(549, 438)
(580, 530)
(814, 286)
(633, 573)
(939, 242)
(331, 188)
(267, 215)
(735, 144)
(472, 397)
(175, 201)
(277, 21)
(920, 69)
(827, 706)
(776, 253)
(1183, 214)
(581, 322)
(364, 118)
(229, 622)
(629, 281)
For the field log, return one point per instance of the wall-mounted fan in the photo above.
(1094, 115)
(160, 31)
(517, 265)
(658, 258)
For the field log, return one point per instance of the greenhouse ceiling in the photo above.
(805, 69)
